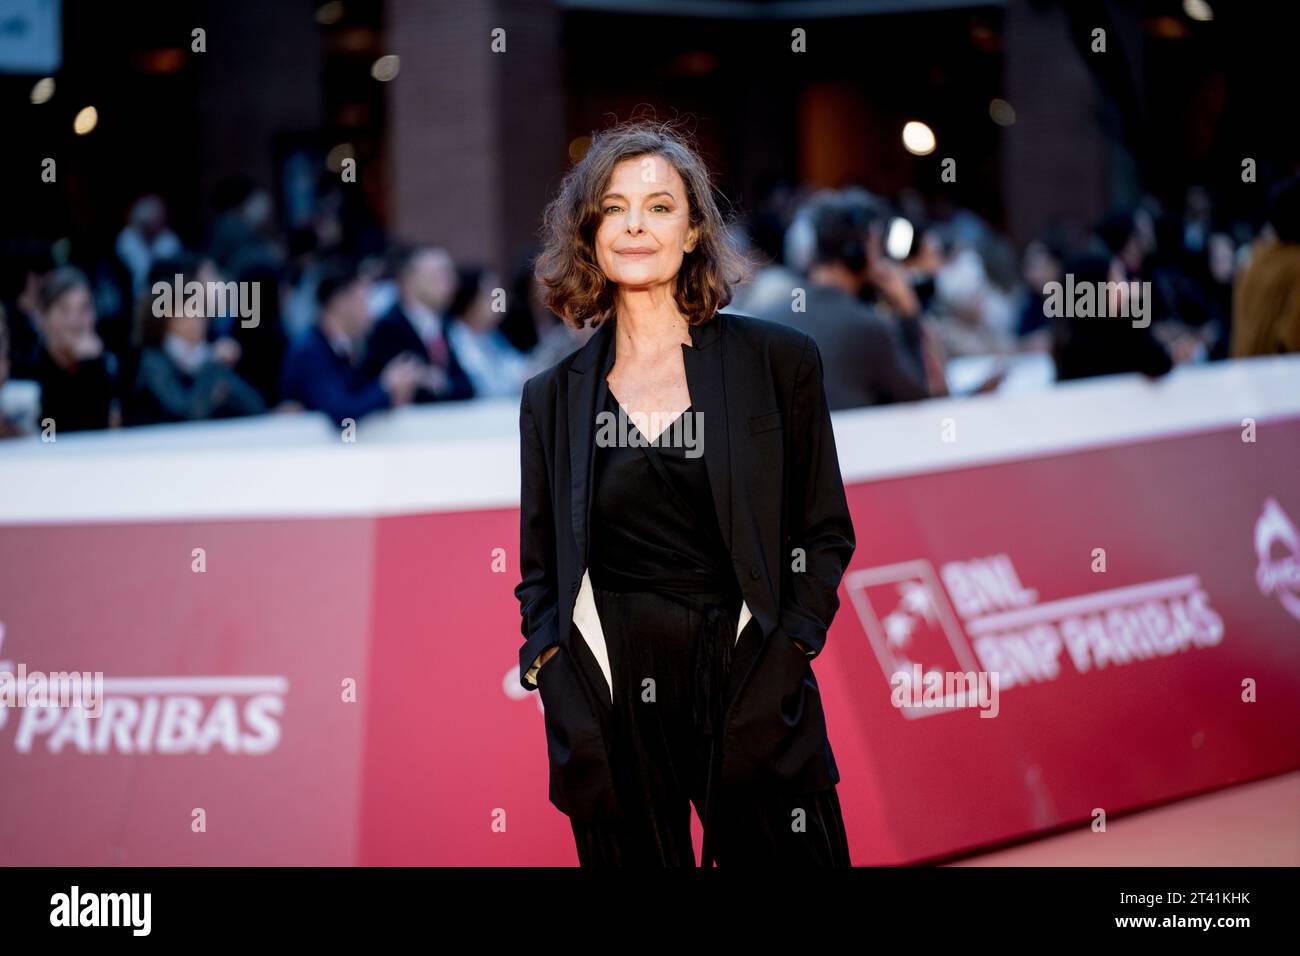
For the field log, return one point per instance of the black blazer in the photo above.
(776, 484)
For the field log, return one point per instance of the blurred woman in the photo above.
(183, 377)
(494, 366)
(1040, 266)
(78, 377)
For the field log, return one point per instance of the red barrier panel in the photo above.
(309, 650)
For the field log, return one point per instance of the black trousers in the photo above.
(659, 751)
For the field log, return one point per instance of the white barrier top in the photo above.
(465, 456)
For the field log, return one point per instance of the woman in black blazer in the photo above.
(684, 531)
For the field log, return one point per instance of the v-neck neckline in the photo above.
(667, 428)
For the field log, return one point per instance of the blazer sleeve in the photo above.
(536, 591)
(818, 512)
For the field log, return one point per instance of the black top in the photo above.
(78, 398)
(655, 533)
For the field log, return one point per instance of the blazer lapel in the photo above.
(587, 390)
(705, 379)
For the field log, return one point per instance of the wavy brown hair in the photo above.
(574, 286)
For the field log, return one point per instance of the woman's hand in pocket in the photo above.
(546, 656)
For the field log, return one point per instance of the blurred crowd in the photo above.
(894, 291)
(254, 323)
(251, 322)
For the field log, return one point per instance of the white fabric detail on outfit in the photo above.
(587, 622)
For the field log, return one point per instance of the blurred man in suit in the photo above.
(417, 325)
(322, 373)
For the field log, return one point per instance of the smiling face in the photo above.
(645, 227)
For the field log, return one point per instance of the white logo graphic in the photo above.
(911, 623)
(913, 632)
(1280, 576)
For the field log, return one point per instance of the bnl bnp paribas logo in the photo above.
(1277, 549)
(78, 712)
(959, 644)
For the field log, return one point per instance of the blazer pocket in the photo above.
(766, 422)
(581, 782)
(777, 733)
(563, 704)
